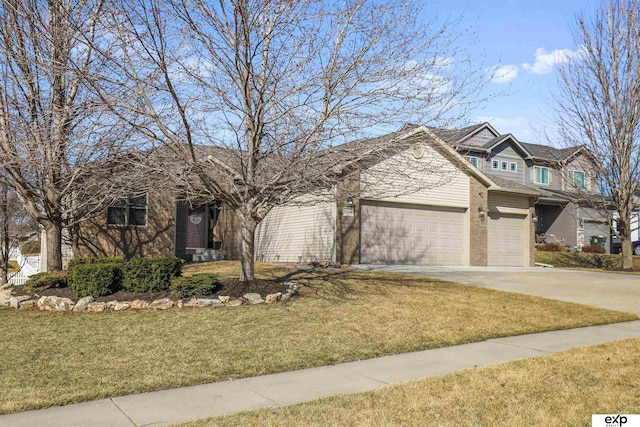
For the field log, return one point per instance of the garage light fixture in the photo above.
(481, 212)
(534, 218)
(350, 202)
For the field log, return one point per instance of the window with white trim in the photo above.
(579, 180)
(505, 166)
(473, 160)
(541, 175)
(129, 212)
(513, 167)
(495, 164)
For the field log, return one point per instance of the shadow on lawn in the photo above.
(576, 259)
(347, 284)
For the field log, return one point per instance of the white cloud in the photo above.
(546, 62)
(505, 74)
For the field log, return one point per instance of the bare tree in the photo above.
(52, 130)
(251, 96)
(599, 105)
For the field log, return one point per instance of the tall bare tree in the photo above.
(251, 96)
(52, 130)
(599, 105)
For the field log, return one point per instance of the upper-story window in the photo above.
(128, 212)
(540, 175)
(579, 180)
(505, 166)
(473, 160)
(513, 167)
(495, 164)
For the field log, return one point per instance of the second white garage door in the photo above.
(393, 233)
(506, 240)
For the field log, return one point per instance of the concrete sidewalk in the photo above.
(228, 397)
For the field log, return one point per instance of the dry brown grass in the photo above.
(51, 359)
(561, 389)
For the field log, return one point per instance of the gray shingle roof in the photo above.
(516, 187)
(538, 151)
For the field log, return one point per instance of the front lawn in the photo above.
(50, 358)
(561, 389)
(584, 260)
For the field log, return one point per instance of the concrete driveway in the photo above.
(608, 290)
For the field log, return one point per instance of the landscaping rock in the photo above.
(225, 299)
(161, 304)
(139, 304)
(4, 300)
(110, 305)
(205, 302)
(53, 303)
(120, 306)
(28, 303)
(96, 307)
(271, 298)
(82, 303)
(179, 304)
(191, 303)
(234, 303)
(13, 302)
(285, 297)
(253, 298)
(292, 288)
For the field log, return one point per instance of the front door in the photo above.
(197, 226)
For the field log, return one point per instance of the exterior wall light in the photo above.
(481, 212)
(534, 218)
(350, 203)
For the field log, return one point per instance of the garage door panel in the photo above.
(405, 234)
(506, 240)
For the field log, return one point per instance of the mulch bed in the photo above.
(233, 288)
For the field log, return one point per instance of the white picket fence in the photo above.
(28, 265)
(17, 279)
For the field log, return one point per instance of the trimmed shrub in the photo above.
(551, 247)
(593, 249)
(41, 281)
(195, 286)
(96, 279)
(150, 274)
(77, 262)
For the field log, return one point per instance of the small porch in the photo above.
(198, 233)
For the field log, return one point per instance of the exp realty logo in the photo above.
(615, 420)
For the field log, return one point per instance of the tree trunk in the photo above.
(625, 234)
(6, 242)
(248, 233)
(53, 230)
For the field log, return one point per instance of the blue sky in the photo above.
(528, 39)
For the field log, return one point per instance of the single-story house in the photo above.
(424, 205)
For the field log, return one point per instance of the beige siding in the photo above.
(429, 180)
(504, 202)
(300, 232)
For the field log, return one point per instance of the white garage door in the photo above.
(392, 233)
(506, 240)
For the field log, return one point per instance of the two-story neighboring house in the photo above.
(565, 177)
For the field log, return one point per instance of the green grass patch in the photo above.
(584, 260)
(59, 358)
(561, 389)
